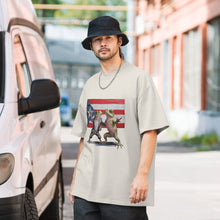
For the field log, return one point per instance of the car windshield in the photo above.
(2, 66)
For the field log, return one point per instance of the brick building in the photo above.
(178, 43)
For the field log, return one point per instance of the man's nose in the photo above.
(103, 42)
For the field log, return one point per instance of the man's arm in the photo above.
(81, 145)
(139, 187)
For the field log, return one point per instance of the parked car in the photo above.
(65, 110)
(31, 182)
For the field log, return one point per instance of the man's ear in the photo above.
(120, 41)
(90, 43)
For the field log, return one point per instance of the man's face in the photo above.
(106, 47)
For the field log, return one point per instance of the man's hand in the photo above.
(139, 188)
(71, 197)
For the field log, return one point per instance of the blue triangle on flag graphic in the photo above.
(90, 112)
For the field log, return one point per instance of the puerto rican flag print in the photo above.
(115, 105)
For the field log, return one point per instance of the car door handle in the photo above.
(42, 124)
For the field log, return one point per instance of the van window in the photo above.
(21, 67)
(2, 66)
(37, 56)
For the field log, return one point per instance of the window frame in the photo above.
(2, 66)
(212, 67)
(21, 80)
(192, 37)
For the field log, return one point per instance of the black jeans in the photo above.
(85, 210)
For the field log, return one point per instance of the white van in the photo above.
(31, 183)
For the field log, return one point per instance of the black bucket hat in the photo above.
(103, 26)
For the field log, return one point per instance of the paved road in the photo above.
(70, 151)
(187, 182)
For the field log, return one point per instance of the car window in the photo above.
(37, 56)
(2, 66)
(22, 69)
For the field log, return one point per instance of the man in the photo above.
(114, 174)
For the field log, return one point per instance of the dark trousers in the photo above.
(85, 210)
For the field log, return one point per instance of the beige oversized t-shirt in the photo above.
(111, 122)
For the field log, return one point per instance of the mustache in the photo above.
(103, 49)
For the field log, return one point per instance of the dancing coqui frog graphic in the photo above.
(97, 125)
(111, 123)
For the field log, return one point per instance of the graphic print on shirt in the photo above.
(105, 117)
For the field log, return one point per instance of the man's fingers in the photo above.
(141, 196)
(138, 196)
(71, 197)
(132, 196)
(144, 196)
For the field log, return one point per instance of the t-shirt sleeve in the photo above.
(79, 124)
(151, 115)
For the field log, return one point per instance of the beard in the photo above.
(104, 57)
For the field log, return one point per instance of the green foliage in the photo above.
(46, 13)
(206, 140)
(89, 14)
(84, 14)
(46, 1)
(210, 139)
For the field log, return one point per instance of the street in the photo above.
(187, 181)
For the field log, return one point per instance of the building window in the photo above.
(146, 61)
(81, 83)
(166, 70)
(74, 83)
(213, 67)
(176, 62)
(155, 63)
(192, 70)
(163, 2)
(150, 1)
(22, 70)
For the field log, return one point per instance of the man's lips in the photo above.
(103, 50)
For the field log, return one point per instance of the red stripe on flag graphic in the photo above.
(107, 101)
(116, 105)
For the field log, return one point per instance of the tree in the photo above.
(89, 14)
(46, 13)
(84, 14)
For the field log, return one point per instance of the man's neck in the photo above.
(109, 66)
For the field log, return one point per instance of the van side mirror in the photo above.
(44, 95)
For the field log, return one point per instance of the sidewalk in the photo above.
(187, 183)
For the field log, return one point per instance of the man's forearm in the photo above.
(147, 151)
(81, 145)
(139, 187)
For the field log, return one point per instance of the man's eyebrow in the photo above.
(96, 37)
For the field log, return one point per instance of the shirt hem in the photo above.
(114, 202)
(159, 129)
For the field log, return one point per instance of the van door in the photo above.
(28, 122)
(44, 139)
